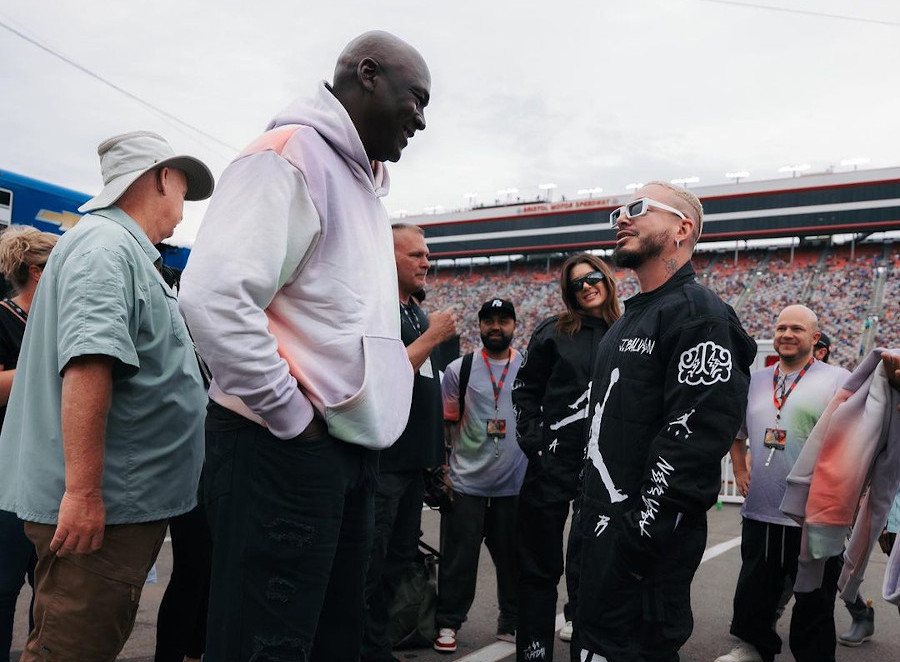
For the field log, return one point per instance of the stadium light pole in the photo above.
(634, 186)
(794, 169)
(737, 176)
(856, 161)
(470, 198)
(506, 192)
(589, 192)
(549, 189)
(684, 181)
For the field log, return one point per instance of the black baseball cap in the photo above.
(824, 341)
(502, 306)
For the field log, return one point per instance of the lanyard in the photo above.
(14, 308)
(411, 317)
(779, 403)
(497, 386)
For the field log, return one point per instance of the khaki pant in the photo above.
(85, 604)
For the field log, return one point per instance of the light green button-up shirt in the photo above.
(101, 293)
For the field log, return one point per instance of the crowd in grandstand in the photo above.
(848, 287)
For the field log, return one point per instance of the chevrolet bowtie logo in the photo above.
(64, 219)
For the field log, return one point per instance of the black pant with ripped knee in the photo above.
(292, 524)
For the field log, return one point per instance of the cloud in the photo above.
(577, 93)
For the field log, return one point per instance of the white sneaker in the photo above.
(446, 641)
(743, 652)
(565, 633)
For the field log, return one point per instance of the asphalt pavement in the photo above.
(711, 600)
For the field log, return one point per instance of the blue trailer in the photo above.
(51, 208)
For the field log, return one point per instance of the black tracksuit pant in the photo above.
(633, 619)
(769, 554)
(470, 520)
(541, 529)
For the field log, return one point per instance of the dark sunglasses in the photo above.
(592, 278)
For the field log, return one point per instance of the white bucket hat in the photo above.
(126, 157)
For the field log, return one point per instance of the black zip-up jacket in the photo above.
(669, 393)
(421, 445)
(551, 401)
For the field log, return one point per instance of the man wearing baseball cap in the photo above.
(822, 348)
(103, 438)
(486, 471)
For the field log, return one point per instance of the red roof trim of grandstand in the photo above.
(564, 212)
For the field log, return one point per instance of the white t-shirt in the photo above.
(800, 412)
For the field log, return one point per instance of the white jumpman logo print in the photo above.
(683, 422)
(593, 449)
(578, 415)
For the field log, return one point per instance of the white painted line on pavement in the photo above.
(721, 548)
(490, 653)
(501, 649)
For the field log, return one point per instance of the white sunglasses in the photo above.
(640, 207)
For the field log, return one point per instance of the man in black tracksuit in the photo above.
(669, 393)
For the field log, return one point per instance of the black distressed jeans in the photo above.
(292, 524)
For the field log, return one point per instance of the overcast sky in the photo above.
(593, 93)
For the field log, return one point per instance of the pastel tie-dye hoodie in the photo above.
(292, 283)
(855, 443)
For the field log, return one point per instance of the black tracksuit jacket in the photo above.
(669, 392)
(551, 402)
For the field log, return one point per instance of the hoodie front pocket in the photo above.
(376, 415)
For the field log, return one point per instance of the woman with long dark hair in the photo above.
(23, 253)
(551, 400)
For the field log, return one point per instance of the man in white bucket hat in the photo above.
(103, 439)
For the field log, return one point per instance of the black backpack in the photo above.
(464, 371)
(414, 607)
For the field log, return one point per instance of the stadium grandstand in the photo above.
(828, 240)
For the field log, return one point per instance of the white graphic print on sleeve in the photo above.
(602, 523)
(553, 445)
(658, 478)
(681, 421)
(705, 363)
(593, 447)
(580, 414)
